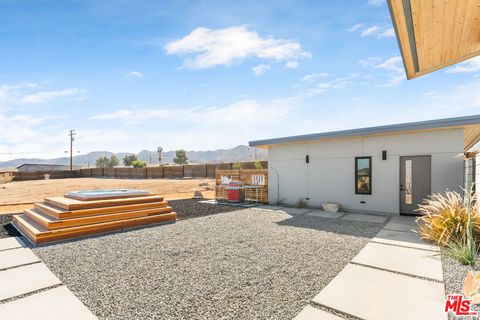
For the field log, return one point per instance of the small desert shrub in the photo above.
(258, 165)
(464, 251)
(301, 203)
(6, 177)
(445, 219)
(237, 165)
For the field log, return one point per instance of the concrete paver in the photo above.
(269, 208)
(401, 223)
(11, 243)
(16, 257)
(405, 239)
(294, 211)
(26, 279)
(325, 214)
(365, 217)
(54, 304)
(414, 262)
(311, 313)
(374, 294)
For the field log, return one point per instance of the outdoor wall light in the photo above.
(307, 159)
(384, 155)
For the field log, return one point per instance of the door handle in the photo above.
(401, 188)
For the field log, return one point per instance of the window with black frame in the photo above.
(363, 175)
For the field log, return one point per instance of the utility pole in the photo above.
(72, 138)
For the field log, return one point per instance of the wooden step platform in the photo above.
(74, 204)
(69, 214)
(61, 218)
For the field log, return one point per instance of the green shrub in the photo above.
(463, 251)
(139, 164)
(258, 164)
(237, 165)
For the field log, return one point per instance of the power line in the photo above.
(30, 152)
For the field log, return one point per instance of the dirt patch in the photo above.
(26, 192)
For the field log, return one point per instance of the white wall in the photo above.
(330, 174)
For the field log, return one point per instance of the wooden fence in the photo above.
(254, 182)
(175, 171)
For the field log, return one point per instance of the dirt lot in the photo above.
(15, 196)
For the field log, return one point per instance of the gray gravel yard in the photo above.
(247, 264)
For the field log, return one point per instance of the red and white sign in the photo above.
(458, 305)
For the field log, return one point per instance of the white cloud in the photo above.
(10, 94)
(134, 74)
(260, 69)
(291, 64)
(48, 96)
(355, 27)
(393, 67)
(213, 47)
(468, 66)
(377, 31)
(393, 64)
(24, 93)
(376, 3)
(313, 76)
(236, 113)
(336, 84)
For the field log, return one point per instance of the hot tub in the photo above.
(106, 194)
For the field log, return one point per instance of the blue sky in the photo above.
(134, 75)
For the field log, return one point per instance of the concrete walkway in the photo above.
(396, 276)
(29, 290)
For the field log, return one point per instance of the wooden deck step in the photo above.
(73, 204)
(51, 223)
(59, 213)
(39, 234)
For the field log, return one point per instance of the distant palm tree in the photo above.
(159, 151)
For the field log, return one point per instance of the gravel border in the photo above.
(6, 229)
(247, 264)
(191, 208)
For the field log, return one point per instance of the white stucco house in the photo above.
(385, 169)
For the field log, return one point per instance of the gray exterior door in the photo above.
(415, 182)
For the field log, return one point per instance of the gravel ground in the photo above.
(454, 274)
(247, 264)
(6, 229)
(189, 208)
(186, 209)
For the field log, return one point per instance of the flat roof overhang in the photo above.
(433, 34)
(470, 124)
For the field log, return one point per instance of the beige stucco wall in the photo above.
(330, 174)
